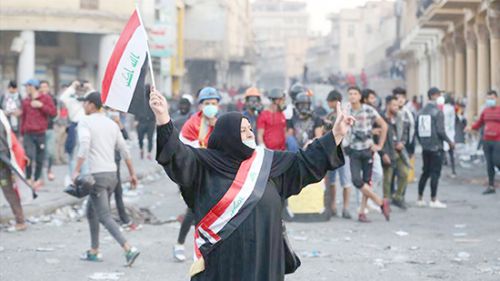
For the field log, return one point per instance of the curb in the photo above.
(63, 201)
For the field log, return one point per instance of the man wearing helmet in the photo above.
(253, 106)
(198, 127)
(304, 126)
(271, 124)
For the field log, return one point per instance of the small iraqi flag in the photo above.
(123, 82)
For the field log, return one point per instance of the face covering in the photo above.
(250, 143)
(210, 111)
(440, 100)
(491, 102)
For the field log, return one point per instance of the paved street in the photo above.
(459, 243)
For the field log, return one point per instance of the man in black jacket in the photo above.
(431, 135)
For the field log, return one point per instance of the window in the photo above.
(352, 60)
(47, 39)
(350, 30)
(89, 4)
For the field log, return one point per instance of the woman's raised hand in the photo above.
(159, 105)
(342, 124)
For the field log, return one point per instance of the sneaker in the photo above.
(18, 227)
(489, 190)
(179, 253)
(437, 204)
(453, 175)
(131, 255)
(421, 203)
(131, 226)
(386, 209)
(334, 212)
(88, 256)
(362, 218)
(346, 215)
(399, 203)
(37, 185)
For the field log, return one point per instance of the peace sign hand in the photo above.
(342, 124)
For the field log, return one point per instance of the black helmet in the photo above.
(296, 89)
(303, 104)
(276, 93)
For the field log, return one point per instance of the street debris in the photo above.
(401, 233)
(106, 276)
(300, 238)
(46, 249)
(459, 234)
(460, 225)
(414, 248)
(314, 254)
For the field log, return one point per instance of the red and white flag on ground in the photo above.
(123, 82)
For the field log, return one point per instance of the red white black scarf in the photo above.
(235, 206)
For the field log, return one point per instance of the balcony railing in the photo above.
(423, 5)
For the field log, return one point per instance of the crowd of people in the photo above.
(377, 148)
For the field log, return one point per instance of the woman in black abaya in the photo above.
(250, 245)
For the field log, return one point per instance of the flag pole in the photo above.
(150, 62)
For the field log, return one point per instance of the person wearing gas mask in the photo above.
(271, 124)
(304, 126)
(253, 106)
(195, 133)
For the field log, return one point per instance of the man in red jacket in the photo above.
(490, 119)
(37, 109)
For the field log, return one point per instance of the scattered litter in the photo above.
(52, 261)
(2, 249)
(347, 238)
(414, 248)
(314, 254)
(459, 234)
(460, 225)
(401, 233)
(461, 256)
(48, 249)
(463, 240)
(379, 262)
(106, 276)
(300, 238)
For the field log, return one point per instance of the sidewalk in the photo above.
(52, 197)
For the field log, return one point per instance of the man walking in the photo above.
(394, 156)
(37, 109)
(146, 127)
(362, 148)
(431, 135)
(490, 119)
(99, 136)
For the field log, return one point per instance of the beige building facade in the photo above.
(454, 45)
(61, 41)
(281, 33)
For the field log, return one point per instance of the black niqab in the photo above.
(226, 151)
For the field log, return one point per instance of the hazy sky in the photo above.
(319, 9)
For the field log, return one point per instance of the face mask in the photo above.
(250, 143)
(440, 100)
(491, 103)
(210, 111)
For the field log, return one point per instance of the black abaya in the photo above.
(254, 251)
